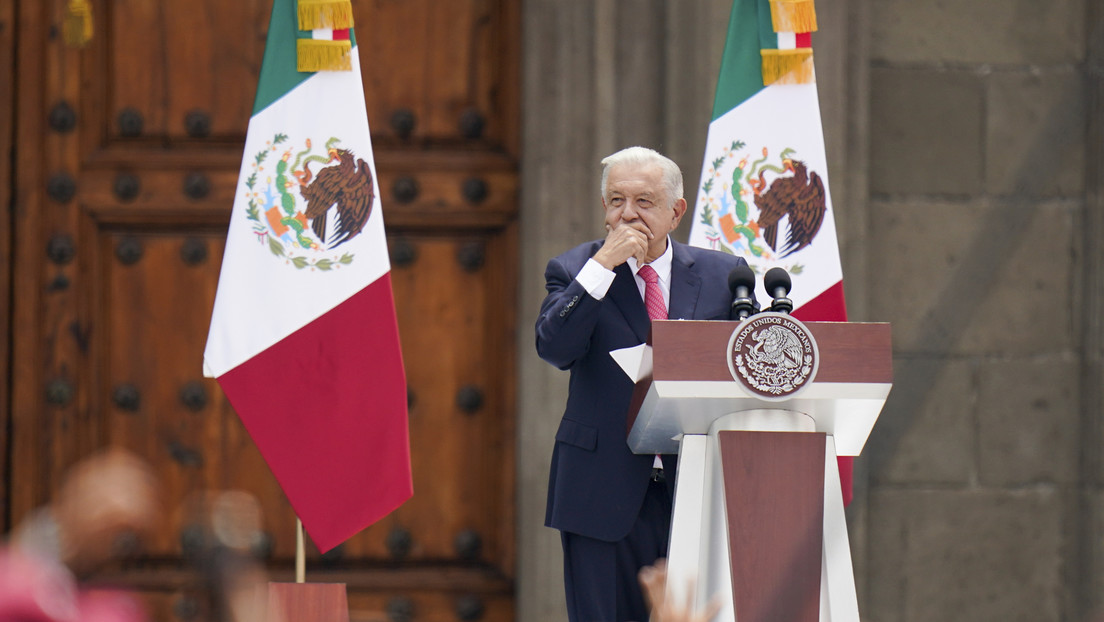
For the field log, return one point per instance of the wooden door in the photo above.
(7, 124)
(127, 154)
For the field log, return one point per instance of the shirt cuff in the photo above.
(595, 279)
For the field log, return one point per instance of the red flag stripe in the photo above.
(828, 306)
(335, 388)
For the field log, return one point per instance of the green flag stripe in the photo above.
(278, 73)
(768, 39)
(741, 65)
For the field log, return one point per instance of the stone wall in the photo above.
(966, 150)
(978, 470)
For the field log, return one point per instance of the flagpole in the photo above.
(300, 553)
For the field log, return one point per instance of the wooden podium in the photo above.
(307, 602)
(758, 519)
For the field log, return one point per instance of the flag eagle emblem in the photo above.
(304, 215)
(746, 203)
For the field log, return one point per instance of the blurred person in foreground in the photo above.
(654, 581)
(226, 541)
(104, 506)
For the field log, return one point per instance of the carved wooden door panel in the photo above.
(127, 154)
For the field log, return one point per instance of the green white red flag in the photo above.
(764, 191)
(304, 339)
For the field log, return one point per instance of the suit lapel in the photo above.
(685, 284)
(624, 293)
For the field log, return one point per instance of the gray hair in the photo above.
(642, 156)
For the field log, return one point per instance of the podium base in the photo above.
(307, 602)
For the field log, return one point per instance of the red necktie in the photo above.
(653, 297)
(653, 301)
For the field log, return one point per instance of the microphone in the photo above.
(778, 284)
(741, 282)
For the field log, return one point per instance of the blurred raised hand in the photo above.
(654, 581)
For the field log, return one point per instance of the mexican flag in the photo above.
(764, 191)
(304, 339)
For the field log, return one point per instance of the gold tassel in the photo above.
(78, 23)
(323, 55)
(793, 16)
(335, 14)
(788, 66)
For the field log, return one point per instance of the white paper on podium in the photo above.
(636, 361)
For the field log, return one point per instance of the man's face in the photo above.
(636, 194)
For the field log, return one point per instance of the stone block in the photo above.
(1093, 396)
(637, 73)
(925, 132)
(978, 31)
(1095, 569)
(1035, 134)
(966, 555)
(974, 278)
(540, 592)
(1028, 415)
(926, 433)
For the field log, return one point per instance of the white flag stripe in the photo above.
(256, 288)
(787, 40)
(777, 118)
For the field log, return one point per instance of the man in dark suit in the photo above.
(612, 507)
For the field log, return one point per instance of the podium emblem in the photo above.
(773, 356)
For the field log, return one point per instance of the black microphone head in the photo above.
(741, 275)
(777, 278)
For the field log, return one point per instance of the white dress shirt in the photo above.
(596, 280)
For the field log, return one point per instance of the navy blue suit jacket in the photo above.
(596, 485)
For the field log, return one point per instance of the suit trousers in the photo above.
(600, 578)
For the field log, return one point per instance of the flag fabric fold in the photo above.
(764, 190)
(304, 339)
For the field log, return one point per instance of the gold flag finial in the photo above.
(793, 16)
(335, 14)
(78, 23)
(323, 55)
(788, 66)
